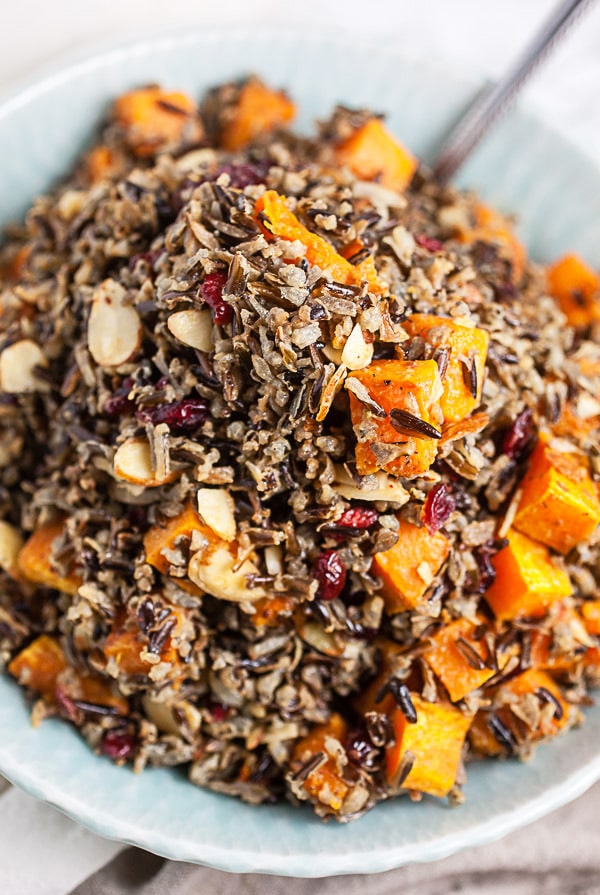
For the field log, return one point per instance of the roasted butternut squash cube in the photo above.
(491, 226)
(164, 535)
(38, 666)
(527, 581)
(35, 560)
(435, 743)
(467, 348)
(372, 153)
(325, 784)
(101, 163)
(270, 611)
(126, 642)
(576, 287)
(277, 221)
(155, 119)
(590, 610)
(499, 730)
(458, 659)
(407, 393)
(410, 566)
(560, 647)
(258, 110)
(559, 505)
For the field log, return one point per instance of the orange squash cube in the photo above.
(435, 742)
(276, 220)
(559, 505)
(458, 675)
(154, 119)
(372, 153)
(325, 784)
(411, 387)
(410, 566)
(126, 642)
(527, 580)
(590, 611)
(35, 560)
(576, 287)
(258, 110)
(468, 347)
(38, 666)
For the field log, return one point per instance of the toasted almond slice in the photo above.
(193, 328)
(114, 331)
(212, 570)
(10, 546)
(133, 463)
(217, 509)
(471, 425)
(330, 390)
(17, 368)
(378, 486)
(357, 353)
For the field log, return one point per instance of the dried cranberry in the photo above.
(241, 176)
(65, 704)
(438, 508)
(119, 404)
(180, 416)
(358, 517)
(521, 435)
(218, 711)
(428, 242)
(118, 745)
(211, 291)
(331, 574)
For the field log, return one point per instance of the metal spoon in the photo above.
(493, 101)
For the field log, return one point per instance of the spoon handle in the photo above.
(493, 101)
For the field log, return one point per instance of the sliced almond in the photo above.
(217, 509)
(357, 353)
(379, 486)
(193, 328)
(330, 390)
(332, 354)
(133, 463)
(10, 546)
(215, 571)
(114, 331)
(17, 368)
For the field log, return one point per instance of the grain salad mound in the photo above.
(299, 459)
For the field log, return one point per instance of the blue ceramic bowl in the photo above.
(523, 167)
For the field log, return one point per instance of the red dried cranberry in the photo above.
(331, 574)
(180, 416)
(211, 291)
(358, 517)
(218, 711)
(428, 242)
(438, 508)
(65, 704)
(241, 176)
(119, 404)
(521, 435)
(118, 745)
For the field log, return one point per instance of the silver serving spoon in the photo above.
(493, 101)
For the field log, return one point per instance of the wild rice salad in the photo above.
(299, 459)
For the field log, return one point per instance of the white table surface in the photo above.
(40, 851)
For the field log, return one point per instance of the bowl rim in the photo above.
(299, 864)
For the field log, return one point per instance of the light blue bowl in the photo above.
(523, 167)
